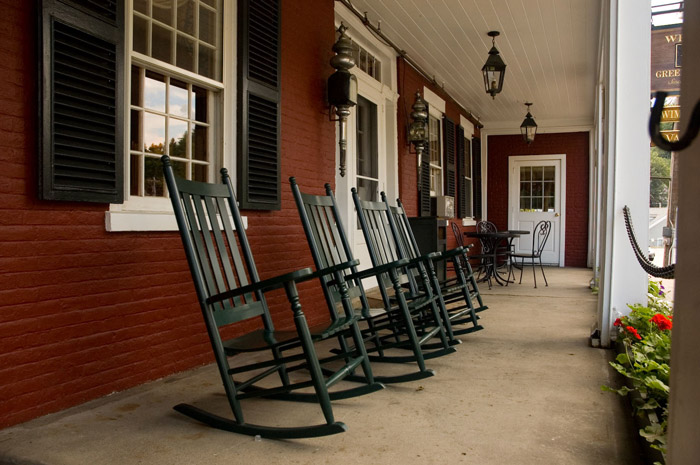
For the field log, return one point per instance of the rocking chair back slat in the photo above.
(216, 255)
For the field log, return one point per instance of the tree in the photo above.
(660, 167)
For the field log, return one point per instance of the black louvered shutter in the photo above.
(259, 104)
(464, 193)
(81, 116)
(476, 176)
(449, 155)
(424, 181)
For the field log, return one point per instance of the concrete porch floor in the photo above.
(525, 390)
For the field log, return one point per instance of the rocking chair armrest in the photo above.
(264, 285)
(378, 269)
(333, 269)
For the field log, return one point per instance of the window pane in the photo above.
(140, 42)
(177, 134)
(548, 173)
(525, 173)
(537, 173)
(153, 133)
(135, 130)
(367, 189)
(537, 204)
(525, 189)
(141, 6)
(161, 44)
(207, 62)
(209, 2)
(185, 16)
(199, 104)
(207, 25)
(467, 160)
(549, 204)
(201, 173)
(185, 53)
(153, 178)
(367, 151)
(536, 189)
(524, 203)
(135, 86)
(154, 91)
(199, 143)
(549, 188)
(177, 101)
(134, 175)
(163, 11)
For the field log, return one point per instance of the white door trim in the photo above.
(562, 226)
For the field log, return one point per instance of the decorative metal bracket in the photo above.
(655, 125)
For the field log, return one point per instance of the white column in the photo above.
(625, 170)
(684, 420)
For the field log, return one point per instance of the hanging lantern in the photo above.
(494, 69)
(529, 128)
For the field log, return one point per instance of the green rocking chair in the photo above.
(229, 291)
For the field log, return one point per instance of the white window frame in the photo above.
(436, 109)
(468, 136)
(155, 213)
(436, 168)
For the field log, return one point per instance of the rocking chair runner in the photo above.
(388, 327)
(459, 290)
(230, 291)
(422, 301)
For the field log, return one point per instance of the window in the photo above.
(466, 209)
(435, 152)
(176, 89)
(537, 188)
(367, 62)
(367, 150)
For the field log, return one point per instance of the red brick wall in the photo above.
(409, 82)
(575, 146)
(83, 312)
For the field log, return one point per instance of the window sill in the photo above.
(142, 221)
(468, 222)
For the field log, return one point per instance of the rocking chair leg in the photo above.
(313, 365)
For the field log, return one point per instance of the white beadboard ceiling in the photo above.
(550, 48)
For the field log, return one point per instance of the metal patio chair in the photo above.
(389, 327)
(539, 238)
(230, 291)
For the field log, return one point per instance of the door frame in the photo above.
(561, 157)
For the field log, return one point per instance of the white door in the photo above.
(537, 192)
(365, 171)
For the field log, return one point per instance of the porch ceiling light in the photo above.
(529, 128)
(494, 69)
(342, 89)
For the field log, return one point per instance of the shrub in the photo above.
(645, 360)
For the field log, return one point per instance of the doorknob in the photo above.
(556, 214)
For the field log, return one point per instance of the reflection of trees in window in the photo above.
(660, 173)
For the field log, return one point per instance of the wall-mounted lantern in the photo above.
(529, 128)
(342, 89)
(494, 69)
(418, 130)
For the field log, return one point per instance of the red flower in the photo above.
(633, 332)
(661, 322)
(618, 322)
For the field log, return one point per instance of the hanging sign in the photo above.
(666, 58)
